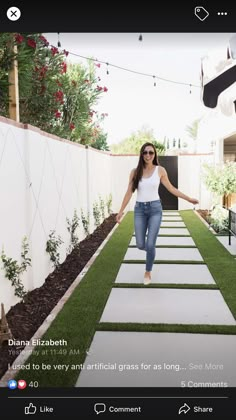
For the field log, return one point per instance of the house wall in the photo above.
(214, 127)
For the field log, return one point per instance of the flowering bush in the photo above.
(220, 179)
(219, 218)
(55, 96)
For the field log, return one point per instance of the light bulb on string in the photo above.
(107, 68)
(154, 84)
(140, 38)
(190, 91)
(58, 42)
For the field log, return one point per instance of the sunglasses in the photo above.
(148, 152)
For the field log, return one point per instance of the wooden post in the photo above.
(14, 111)
(5, 332)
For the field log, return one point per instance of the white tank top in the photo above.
(148, 188)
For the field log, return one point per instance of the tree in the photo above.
(220, 179)
(101, 142)
(134, 143)
(192, 129)
(56, 96)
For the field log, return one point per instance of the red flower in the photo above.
(72, 126)
(59, 95)
(66, 53)
(105, 89)
(43, 39)
(98, 65)
(54, 50)
(57, 114)
(58, 83)
(64, 67)
(31, 42)
(43, 71)
(19, 38)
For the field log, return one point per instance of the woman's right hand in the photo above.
(119, 216)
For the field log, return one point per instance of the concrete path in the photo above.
(161, 359)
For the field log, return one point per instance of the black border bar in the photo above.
(71, 16)
(152, 403)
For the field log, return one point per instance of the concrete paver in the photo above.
(167, 306)
(164, 254)
(166, 273)
(152, 359)
(169, 241)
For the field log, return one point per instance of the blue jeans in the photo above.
(147, 220)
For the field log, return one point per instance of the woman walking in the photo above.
(146, 179)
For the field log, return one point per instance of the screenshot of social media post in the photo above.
(118, 211)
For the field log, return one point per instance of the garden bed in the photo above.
(25, 318)
(206, 215)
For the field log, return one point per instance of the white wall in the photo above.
(121, 168)
(190, 180)
(43, 179)
(214, 127)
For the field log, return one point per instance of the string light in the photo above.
(140, 38)
(58, 42)
(191, 85)
(190, 91)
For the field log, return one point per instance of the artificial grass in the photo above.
(220, 262)
(77, 321)
(169, 246)
(166, 286)
(174, 328)
(164, 262)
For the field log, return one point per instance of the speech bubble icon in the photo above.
(99, 408)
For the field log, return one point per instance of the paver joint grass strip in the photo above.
(166, 286)
(173, 328)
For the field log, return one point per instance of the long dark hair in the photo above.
(139, 170)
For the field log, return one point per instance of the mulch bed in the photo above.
(205, 214)
(26, 317)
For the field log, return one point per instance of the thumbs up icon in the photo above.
(31, 409)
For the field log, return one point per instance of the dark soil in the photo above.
(26, 317)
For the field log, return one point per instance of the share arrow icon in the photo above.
(184, 409)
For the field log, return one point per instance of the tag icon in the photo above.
(201, 13)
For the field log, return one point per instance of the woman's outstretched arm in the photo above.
(166, 182)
